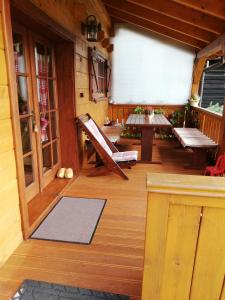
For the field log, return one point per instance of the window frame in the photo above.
(98, 68)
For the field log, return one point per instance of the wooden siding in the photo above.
(185, 241)
(10, 222)
(122, 111)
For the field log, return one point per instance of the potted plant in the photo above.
(194, 101)
(138, 110)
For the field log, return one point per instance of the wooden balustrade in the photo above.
(122, 111)
(185, 241)
(210, 123)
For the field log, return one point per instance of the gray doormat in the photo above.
(39, 290)
(72, 220)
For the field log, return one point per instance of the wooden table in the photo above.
(147, 125)
(193, 138)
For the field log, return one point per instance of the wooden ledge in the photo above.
(41, 204)
(186, 184)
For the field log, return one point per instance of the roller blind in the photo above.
(149, 69)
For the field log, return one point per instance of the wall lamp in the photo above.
(91, 28)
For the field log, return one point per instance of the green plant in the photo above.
(215, 107)
(138, 110)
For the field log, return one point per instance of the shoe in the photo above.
(61, 173)
(68, 173)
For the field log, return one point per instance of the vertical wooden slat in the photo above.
(210, 258)
(156, 231)
(183, 229)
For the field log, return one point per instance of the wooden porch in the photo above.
(114, 260)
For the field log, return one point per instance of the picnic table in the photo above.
(147, 125)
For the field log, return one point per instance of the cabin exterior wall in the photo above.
(69, 16)
(10, 223)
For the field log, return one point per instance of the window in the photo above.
(98, 75)
(212, 87)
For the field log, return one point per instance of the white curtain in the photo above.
(149, 69)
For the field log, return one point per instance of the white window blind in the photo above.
(149, 69)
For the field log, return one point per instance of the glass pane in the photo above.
(44, 122)
(49, 61)
(51, 94)
(28, 170)
(40, 60)
(22, 95)
(46, 154)
(42, 88)
(53, 125)
(55, 153)
(25, 135)
(19, 53)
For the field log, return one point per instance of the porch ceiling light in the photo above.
(91, 27)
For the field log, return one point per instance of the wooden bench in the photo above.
(198, 142)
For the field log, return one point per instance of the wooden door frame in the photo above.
(39, 16)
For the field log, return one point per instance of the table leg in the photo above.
(146, 143)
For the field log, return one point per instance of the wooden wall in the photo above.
(185, 241)
(70, 15)
(10, 223)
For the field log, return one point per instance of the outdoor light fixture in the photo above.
(91, 28)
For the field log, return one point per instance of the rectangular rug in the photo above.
(72, 220)
(40, 290)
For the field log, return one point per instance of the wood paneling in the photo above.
(211, 124)
(210, 7)
(163, 20)
(187, 14)
(122, 111)
(149, 25)
(10, 223)
(184, 250)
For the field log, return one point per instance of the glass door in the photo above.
(27, 124)
(38, 109)
(46, 109)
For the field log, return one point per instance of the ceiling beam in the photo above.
(213, 48)
(158, 18)
(214, 8)
(148, 25)
(188, 15)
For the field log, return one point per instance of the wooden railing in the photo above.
(185, 241)
(210, 123)
(122, 111)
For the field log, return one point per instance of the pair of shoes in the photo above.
(65, 173)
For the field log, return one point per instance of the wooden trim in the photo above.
(162, 20)
(66, 93)
(159, 29)
(29, 9)
(7, 30)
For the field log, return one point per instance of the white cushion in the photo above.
(124, 156)
(96, 133)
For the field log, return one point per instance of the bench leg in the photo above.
(199, 159)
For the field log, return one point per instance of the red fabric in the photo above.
(43, 94)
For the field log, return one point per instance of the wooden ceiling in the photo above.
(195, 23)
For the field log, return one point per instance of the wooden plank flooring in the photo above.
(114, 260)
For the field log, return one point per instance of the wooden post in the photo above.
(222, 134)
(197, 73)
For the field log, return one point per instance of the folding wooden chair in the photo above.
(113, 160)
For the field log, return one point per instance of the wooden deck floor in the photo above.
(114, 260)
